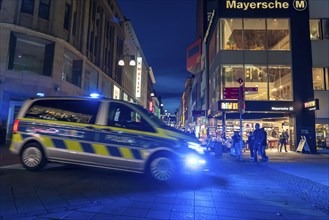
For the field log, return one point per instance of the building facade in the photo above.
(267, 48)
(61, 48)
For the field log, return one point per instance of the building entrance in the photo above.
(273, 127)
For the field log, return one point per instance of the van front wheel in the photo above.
(162, 168)
(33, 157)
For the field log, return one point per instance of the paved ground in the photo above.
(290, 186)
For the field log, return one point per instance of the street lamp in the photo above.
(132, 61)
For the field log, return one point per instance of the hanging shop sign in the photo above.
(228, 106)
(138, 77)
(312, 105)
(116, 92)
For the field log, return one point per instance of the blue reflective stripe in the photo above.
(136, 154)
(25, 136)
(114, 151)
(59, 143)
(87, 148)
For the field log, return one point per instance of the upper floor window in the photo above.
(72, 69)
(320, 78)
(319, 29)
(44, 9)
(67, 15)
(30, 54)
(27, 6)
(255, 34)
(274, 82)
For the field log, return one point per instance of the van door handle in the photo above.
(89, 127)
(106, 129)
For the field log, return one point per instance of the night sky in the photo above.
(164, 29)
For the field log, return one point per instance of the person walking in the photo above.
(250, 142)
(264, 146)
(236, 142)
(286, 137)
(259, 138)
(283, 142)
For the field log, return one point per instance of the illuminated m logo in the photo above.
(300, 5)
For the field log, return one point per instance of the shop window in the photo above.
(256, 76)
(278, 34)
(280, 83)
(30, 54)
(27, 6)
(230, 74)
(322, 135)
(254, 34)
(44, 9)
(315, 27)
(319, 29)
(320, 79)
(72, 69)
(231, 34)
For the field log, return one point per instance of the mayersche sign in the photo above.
(299, 5)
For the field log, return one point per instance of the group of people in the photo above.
(256, 142)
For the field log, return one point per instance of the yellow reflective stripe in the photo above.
(17, 138)
(100, 149)
(126, 153)
(73, 145)
(47, 142)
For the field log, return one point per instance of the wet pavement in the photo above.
(290, 186)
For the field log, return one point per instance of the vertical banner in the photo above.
(138, 77)
(116, 92)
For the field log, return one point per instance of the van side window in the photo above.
(80, 111)
(123, 116)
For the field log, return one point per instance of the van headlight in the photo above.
(194, 161)
(195, 146)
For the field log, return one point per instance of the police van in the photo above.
(103, 133)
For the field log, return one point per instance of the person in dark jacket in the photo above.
(250, 142)
(258, 141)
(264, 146)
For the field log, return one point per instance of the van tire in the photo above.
(33, 157)
(162, 168)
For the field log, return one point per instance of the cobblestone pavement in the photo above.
(231, 190)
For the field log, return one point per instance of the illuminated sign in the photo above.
(299, 5)
(228, 106)
(139, 77)
(116, 92)
(312, 105)
(274, 108)
(151, 106)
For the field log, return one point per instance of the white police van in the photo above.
(103, 133)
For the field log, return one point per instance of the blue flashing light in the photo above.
(40, 94)
(94, 95)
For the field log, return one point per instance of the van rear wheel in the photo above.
(162, 168)
(32, 157)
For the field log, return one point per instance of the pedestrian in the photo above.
(283, 142)
(264, 146)
(250, 142)
(236, 142)
(286, 137)
(258, 141)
